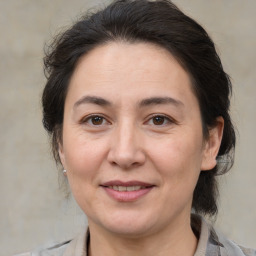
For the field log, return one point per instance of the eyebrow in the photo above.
(92, 100)
(143, 103)
(160, 100)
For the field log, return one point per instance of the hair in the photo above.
(161, 23)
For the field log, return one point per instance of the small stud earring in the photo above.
(64, 171)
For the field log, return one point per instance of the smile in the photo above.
(126, 191)
(123, 188)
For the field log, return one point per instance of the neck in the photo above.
(178, 239)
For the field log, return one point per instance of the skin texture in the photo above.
(126, 141)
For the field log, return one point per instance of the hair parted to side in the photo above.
(159, 22)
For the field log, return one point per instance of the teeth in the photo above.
(120, 188)
(134, 188)
(130, 188)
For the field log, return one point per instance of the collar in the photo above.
(208, 242)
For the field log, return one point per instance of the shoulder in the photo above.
(56, 250)
(213, 242)
(74, 247)
(231, 248)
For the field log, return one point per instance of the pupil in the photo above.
(158, 120)
(97, 120)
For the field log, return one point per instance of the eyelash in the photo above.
(167, 120)
(88, 120)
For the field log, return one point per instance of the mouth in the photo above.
(129, 188)
(127, 191)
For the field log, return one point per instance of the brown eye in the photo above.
(158, 120)
(97, 120)
(94, 120)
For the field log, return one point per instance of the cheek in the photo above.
(178, 158)
(83, 158)
(83, 162)
(80, 149)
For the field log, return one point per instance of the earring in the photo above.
(64, 171)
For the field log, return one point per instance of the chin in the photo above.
(130, 230)
(129, 225)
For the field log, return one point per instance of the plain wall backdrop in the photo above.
(33, 211)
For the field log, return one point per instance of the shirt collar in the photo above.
(208, 243)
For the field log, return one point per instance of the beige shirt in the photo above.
(210, 244)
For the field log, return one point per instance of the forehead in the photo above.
(125, 56)
(136, 69)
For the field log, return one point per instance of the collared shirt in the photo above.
(209, 243)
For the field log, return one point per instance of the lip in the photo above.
(126, 183)
(127, 196)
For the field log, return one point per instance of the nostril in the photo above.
(113, 163)
(125, 165)
(136, 164)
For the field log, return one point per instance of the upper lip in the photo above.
(126, 183)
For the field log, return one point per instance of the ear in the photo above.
(212, 145)
(61, 154)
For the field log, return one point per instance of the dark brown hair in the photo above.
(159, 22)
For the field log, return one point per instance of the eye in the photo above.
(95, 120)
(160, 120)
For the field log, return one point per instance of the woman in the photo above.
(137, 106)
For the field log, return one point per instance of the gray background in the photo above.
(33, 210)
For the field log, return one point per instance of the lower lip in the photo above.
(127, 196)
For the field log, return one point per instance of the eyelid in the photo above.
(90, 116)
(169, 119)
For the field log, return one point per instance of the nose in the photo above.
(126, 150)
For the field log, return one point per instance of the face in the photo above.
(132, 139)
